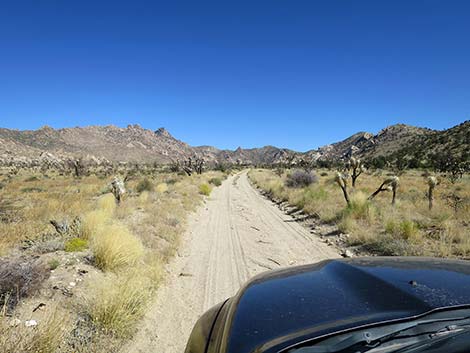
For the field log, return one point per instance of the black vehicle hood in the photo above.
(280, 307)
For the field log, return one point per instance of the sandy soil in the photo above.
(234, 236)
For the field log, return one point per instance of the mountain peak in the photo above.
(163, 132)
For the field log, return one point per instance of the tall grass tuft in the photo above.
(116, 303)
(107, 203)
(360, 208)
(215, 181)
(162, 187)
(205, 189)
(144, 185)
(45, 338)
(114, 247)
(92, 221)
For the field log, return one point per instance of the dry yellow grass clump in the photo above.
(114, 246)
(107, 203)
(410, 227)
(92, 221)
(162, 187)
(117, 302)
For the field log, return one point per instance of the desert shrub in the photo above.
(162, 187)
(20, 278)
(114, 246)
(47, 246)
(215, 181)
(405, 229)
(221, 167)
(32, 189)
(32, 178)
(205, 189)
(300, 179)
(315, 194)
(92, 221)
(391, 226)
(347, 225)
(360, 208)
(144, 198)
(50, 335)
(53, 264)
(45, 338)
(390, 246)
(144, 185)
(324, 174)
(118, 302)
(107, 203)
(408, 229)
(75, 245)
(171, 181)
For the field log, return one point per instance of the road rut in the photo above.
(234, 236)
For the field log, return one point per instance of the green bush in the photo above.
(32, 178)
(405, 229)
(360, 208)
(33, 189)
(53, 264)
(215, 181)
(76, 244)
(205, 189)
(408, 229)
(144, 185)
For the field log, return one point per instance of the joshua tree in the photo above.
(289, 161)
(79, 167)
(432, 182)
(356, 167)
(199, 165)
(305, 165)
(175, 166)
(117, 188)
(342, 181)
(188, 166)
(195, 165)
(389, 184)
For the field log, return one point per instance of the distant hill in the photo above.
(409, 143)
(135, 144)
(367, 145)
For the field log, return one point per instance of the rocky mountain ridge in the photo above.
(134, 144)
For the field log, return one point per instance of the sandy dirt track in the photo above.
(234, 236)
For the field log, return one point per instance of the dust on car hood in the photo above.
(290, 305)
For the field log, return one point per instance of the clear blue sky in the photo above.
(291, 73)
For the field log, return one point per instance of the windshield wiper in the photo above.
(395, 336)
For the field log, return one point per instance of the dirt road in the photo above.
(234, 236)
